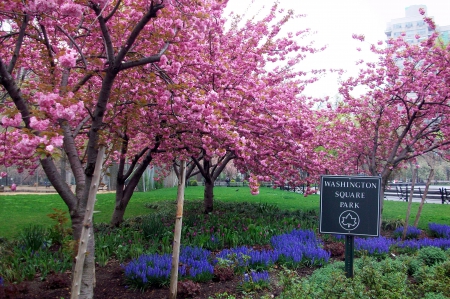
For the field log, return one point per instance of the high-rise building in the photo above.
(413, 24)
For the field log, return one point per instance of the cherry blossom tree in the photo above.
(64, 66)
(246, 99)
(235, 97)
(403, 111)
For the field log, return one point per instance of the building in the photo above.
(413, 24)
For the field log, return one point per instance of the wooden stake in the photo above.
(87, 224)
(177, 234)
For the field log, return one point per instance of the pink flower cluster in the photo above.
(254, 185)
(69, 58)
(12, 121)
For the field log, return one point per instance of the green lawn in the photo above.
(19, 211)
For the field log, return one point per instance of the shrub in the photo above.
(435, 296)
(326, 282)
(193, 183)
(384, 279)
(434, 279)
(158, 184)
(413, 266)
(431, 255)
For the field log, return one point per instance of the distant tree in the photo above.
(404, 110)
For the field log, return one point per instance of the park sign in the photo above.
(350, 205)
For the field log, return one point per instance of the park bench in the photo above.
(296, 189)
(102, 187)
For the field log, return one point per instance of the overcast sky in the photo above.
(336, 21)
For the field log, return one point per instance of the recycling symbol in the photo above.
(349, 220)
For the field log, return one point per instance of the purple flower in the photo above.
(411, 232)
(300, 246)
(379, 245)
(440, 230)
(257, 277)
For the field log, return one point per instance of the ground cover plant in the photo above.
(258, 248)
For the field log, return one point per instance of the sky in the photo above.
(335, 22)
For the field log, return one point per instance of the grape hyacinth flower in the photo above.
(440, 230)
(379, 245)
(411, 232)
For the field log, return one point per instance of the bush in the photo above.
(431, 255)
(158, 184)
(193, 183)
(435, 296)
(384, 279)
(435, 279)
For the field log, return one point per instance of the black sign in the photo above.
(350, 205)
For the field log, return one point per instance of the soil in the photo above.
(111, 285)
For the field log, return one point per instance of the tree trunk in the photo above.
(177, 233)
(408, 212)
(424, 196)
(384, 182)
(124, 194)
(208, 196)
(63, 166)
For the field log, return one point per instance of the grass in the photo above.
(19, 211)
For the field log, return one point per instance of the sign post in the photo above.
(350, 205)
(349, 255)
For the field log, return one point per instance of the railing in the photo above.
(403, 191)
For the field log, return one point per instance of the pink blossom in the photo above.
(49, 148)
(57, 141)
(360, 37)
(39, 125)
(45, 5)
(69, 59)
(71, 9)
(12, 122)
(3, 174)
